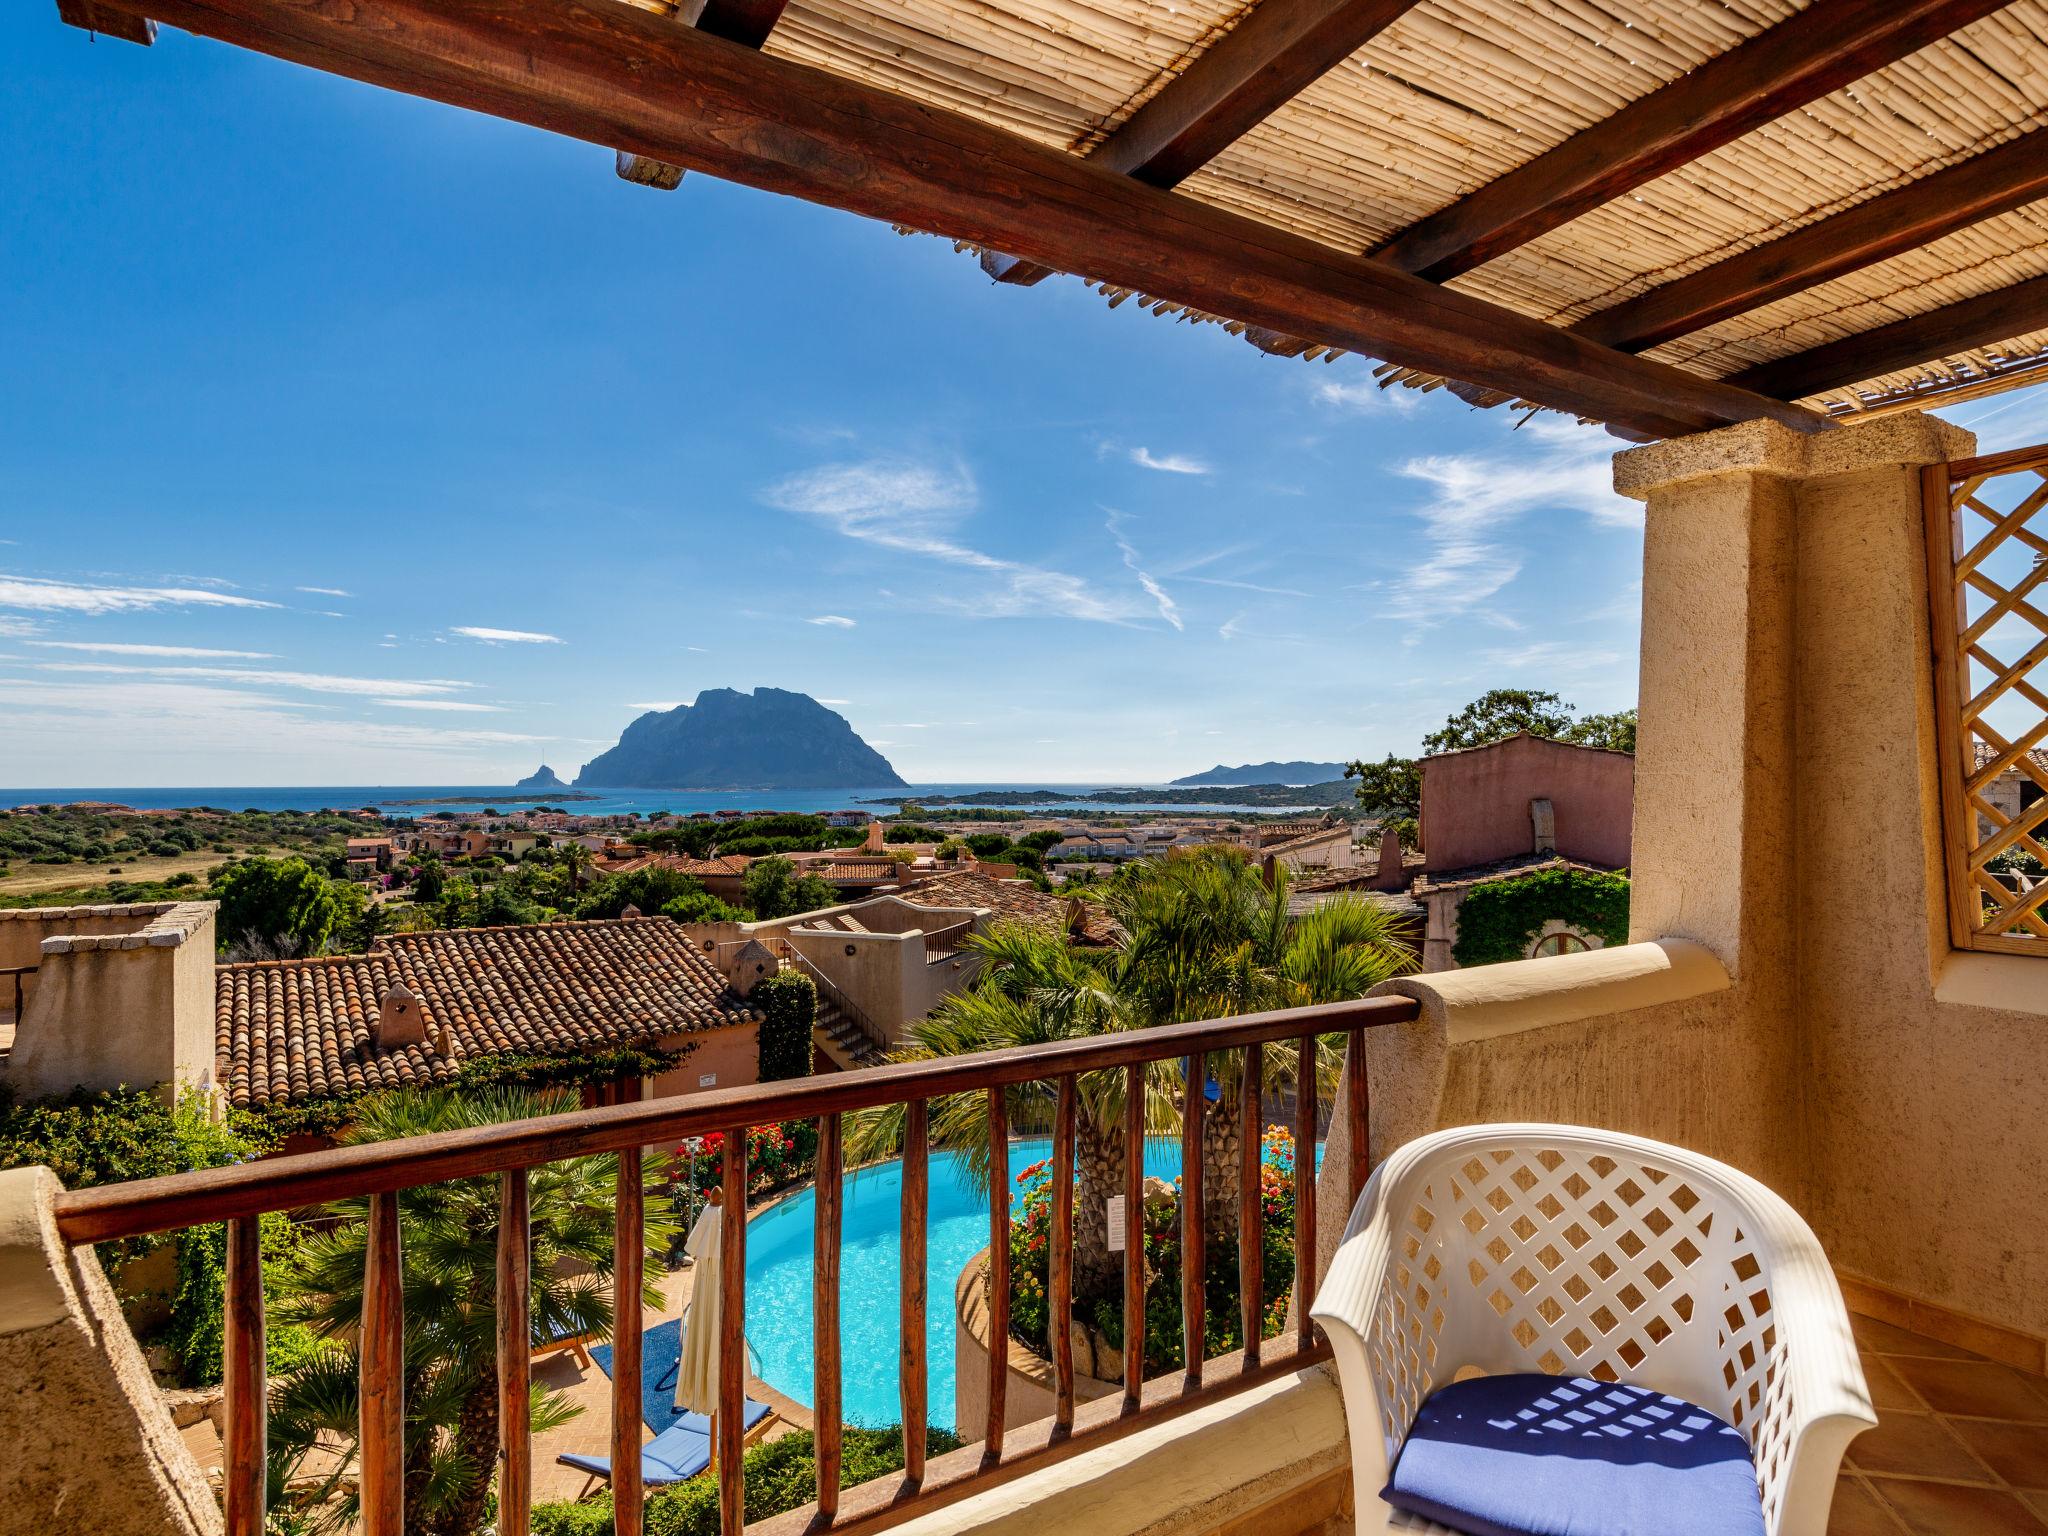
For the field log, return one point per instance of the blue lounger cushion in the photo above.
(673, 1456)
(681, 1451)
(1527, 1455)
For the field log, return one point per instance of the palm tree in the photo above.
(577, 859)
(1207, 937)
(448, 1236)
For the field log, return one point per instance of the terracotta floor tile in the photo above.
(1915, 1445)
(2016, 1452)
(1975, 1388)
(1886, 1389)
(1949, 1509)
(1857, 1511)
(1889, 1340)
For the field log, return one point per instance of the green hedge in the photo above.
(1499, 921)
(779, 1475)
(789, 1003)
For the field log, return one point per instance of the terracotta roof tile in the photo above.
(303, 1029)
(1015, 899)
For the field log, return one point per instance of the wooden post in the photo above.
(1251, 1207)
(1305, 1192)
(629, 1251)
(1062, 1260)
(825, 1394)
(1194, 1255)
(1358, 1112)
(1134, 1235)
(515, 1357)
(380, 1419)
(998, 1273)
(732, 1338)
(911, 1319)
(242, 1377)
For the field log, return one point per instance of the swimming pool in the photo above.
(779, 1279)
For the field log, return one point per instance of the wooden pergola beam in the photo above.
(746, 22)
(615, 75)
(1821, 49)
(1960, 327)
(94, 18)
(1232, 86)
(1903, 220)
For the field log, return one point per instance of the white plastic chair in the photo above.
(1500, 1248)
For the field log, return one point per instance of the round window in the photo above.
(1558, 944)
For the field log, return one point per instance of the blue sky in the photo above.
(349, 439)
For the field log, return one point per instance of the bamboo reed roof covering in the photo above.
(1559, 160)
(1456, 93)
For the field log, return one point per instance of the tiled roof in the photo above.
(1015, 899)
(292, 1030)
(1986, 753)
(1501, 869)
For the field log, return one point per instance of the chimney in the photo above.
(1390, 875)
(1543, 823)
(630, 911)
(399, 1019)
(877, 841)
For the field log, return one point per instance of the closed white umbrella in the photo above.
(697, 1371)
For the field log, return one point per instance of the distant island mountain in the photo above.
(769, 739)
(1268, 773)
(1335, 795)
(542, 777)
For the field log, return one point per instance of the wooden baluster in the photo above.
(1062, 1261)
(629, 1251)
(732, 1338)
(998, 1273)
(1251, 1207)
(916, 1187)
(380, 1418)
(1194, 1254)
(1358, 1114)
(1134, 1235)
(825, 1394)
(242, 1376)
(515, 1357)
(1305, 1192)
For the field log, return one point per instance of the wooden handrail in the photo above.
(508, 1151)
(314, 1178)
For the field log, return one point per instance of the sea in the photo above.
(414, 800)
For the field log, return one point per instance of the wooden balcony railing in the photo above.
(379, 1170)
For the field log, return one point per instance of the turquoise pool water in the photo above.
(779, 1279)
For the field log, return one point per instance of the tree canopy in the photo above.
(281, 906)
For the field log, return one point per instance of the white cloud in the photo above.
(325, 591)
(1227, 630)
(66, 732)
(1168, 463)
(1168, 610)
(1553, 657)
(45, 596)
(14, 628)
(914, 509)
(835, 703)
(310, 682)
(1364, 395)
(663, 706)
(506, 636)
(455, 704)
(116, 648)
(832, 621)
(1476, 495)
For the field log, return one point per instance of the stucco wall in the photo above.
(732, 1055)
(1475, 805)
(131, 1004)
(85, 1442)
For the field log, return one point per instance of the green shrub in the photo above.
(778, 1475)
(1500, 920)
(789, 1005)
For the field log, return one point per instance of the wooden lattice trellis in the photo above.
(1987, 554)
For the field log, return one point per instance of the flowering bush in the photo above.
(777, 1154)
(1031, 1254)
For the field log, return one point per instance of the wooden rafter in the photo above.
(1820, 49)
(1991, 317)
(746, 22)
(96, 18)
(615, 75)
(1998, 181)
(1232, 86)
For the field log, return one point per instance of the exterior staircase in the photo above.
(835, 1033)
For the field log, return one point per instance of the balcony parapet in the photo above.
(1492, 1000)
